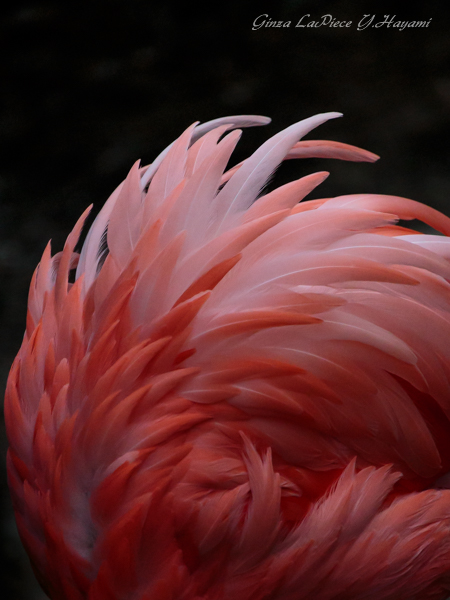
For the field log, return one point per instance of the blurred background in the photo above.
(86, 88)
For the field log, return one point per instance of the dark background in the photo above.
(86, 88)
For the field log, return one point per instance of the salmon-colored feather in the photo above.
(239, 396)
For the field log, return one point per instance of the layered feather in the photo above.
(239, 396)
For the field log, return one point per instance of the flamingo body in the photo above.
(238, 397)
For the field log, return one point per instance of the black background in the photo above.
(86, 88)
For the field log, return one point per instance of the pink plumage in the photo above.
(239, 396)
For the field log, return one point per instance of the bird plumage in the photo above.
(239, 396)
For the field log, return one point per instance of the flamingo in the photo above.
(231, 395)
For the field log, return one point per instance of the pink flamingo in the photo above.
(237, 399)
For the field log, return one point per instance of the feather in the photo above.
(246, 184)
(239, 396)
